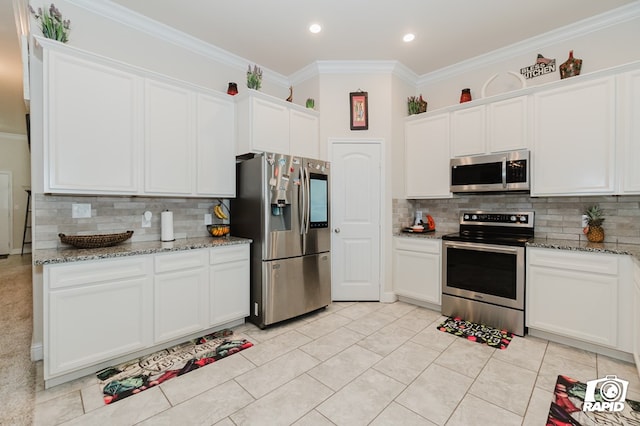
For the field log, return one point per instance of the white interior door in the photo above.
(355, 218)
(6, 227)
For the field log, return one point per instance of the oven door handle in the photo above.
(482, 247)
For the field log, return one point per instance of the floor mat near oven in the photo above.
(480, 333)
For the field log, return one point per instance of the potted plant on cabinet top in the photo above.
(254, 77)
(52, 24)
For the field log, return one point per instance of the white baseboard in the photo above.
(388, 297)
(37, 351)
(613, 353)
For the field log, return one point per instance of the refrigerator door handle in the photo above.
(307, 207)
(301, 200)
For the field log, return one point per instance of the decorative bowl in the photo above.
(219, 230)
(96, 240)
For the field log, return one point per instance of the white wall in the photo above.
(96, 33)
(387, 100)
(599, 49)
(14, 157)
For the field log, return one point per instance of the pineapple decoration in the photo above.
(595, 217)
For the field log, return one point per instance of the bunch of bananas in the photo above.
(219, 230)
(220, 214)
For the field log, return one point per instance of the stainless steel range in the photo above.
(483, 275)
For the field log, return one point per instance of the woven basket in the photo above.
(95, 241)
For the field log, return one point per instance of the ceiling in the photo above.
(274, 34)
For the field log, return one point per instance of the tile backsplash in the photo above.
(52, 215)
(555, 217)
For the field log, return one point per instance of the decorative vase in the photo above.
(465, 96)
(233, 89)
(422, 105)
(595, 234)
(571, 67)
(310, 103)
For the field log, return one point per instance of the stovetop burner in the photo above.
(516, 228)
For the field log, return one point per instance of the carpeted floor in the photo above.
(17, 372)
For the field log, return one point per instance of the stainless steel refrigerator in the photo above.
(282, 204)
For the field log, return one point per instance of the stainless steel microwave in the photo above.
(507, 171)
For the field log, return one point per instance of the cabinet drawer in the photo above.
(229, 254)
(80, 273)
(418, 244)
(180, 260)
(583, 262)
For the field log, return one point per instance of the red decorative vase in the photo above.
(233, 89)
(571, 67)
(465, 96)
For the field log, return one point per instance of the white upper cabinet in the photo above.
(304, 131)
(495, 127)
(574, 133)
(168, 139)
(215, 148)
(262, 125)
(268, 124)
(507, 125)
(427, 157)
(629, 137)
(111, 128)
(468, 131)
(92, 126)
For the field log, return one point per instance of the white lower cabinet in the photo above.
(97, 311)
(181, 290)
(229, 278)
(580, 295)
(417, 268)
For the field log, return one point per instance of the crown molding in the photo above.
(139, 22)
(304, 74)
(577, 29)
(21, 17)
(132, 19)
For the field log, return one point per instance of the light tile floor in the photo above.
(351, 364)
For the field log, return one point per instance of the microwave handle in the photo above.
(504, 172)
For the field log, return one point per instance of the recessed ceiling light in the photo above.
(315, 28)
(408, 37)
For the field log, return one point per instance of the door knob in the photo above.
(337, 230)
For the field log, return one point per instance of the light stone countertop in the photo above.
(611, 248)
(435, 235)
(71, 254)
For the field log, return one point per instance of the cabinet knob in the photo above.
(337, 230)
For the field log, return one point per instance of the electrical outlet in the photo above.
(585, 220)
(80, 210)
(146, 219)
(208, 219)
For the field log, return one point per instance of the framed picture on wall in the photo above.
(359, 110)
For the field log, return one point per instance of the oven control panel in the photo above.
(522, 219)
